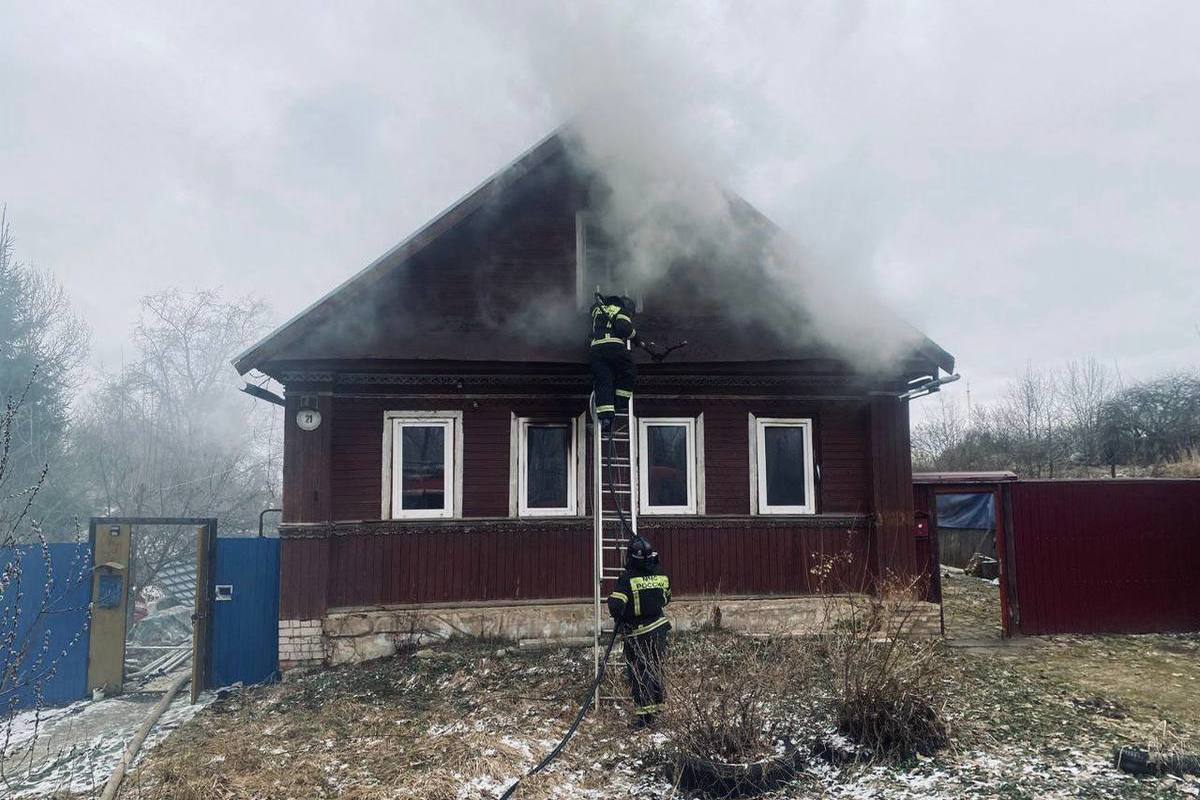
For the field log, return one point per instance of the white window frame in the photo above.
(394, 423)
(758, 465)
(520, 462)
(584, 293)
(693, 463)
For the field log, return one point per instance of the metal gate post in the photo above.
(110, 600)
(206, 543)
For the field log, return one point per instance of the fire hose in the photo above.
(587, 700)
(595, 687)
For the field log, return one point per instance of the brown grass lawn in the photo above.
(1034, 720)
(1136, 684)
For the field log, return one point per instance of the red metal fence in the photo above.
(1113, 556)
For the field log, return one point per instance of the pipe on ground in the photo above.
(1150, 762)
(135, 744)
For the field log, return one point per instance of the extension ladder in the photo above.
(618, 460)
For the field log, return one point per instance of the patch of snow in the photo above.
(77, 747)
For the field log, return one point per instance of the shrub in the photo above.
(730, 711)
(886, 682)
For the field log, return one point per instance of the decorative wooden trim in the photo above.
(462, 380)
(582, 525)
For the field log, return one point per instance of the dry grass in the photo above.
(401, 728)
(1135, 684)
(465, 725)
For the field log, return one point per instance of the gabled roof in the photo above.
(478, 197)
(307, 336)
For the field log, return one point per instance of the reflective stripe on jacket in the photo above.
(639, 599)
(611, 324)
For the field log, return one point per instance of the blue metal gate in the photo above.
(245, 611)
(44, 621)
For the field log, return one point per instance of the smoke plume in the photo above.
(666, 132)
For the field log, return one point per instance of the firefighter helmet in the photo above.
(641, 553)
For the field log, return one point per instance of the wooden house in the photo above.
(436, 455)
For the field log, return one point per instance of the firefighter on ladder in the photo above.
(636, 604)
(613, 368)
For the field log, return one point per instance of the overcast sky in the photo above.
(1021, 181)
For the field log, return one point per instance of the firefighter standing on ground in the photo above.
(637, 603)
(613, 368)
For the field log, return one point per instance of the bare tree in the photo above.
(170, 435)
(32, 595)
(1029, 420)
(1086, 387)
(940, 434)
(1154, 423)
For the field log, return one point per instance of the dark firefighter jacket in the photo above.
(611, 324)
(638, 600)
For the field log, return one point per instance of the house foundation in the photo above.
(351, 635)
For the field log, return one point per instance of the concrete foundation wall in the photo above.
(353, 635)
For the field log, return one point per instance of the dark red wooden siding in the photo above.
(303, 578)
(503, 559)
(500, 561)
(307, 486)
(1107, 556)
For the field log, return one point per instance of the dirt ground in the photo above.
(1034, 719)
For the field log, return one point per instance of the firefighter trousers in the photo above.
(613, 375)
(644, 657)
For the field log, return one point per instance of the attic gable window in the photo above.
(422, 453)
(597, 267)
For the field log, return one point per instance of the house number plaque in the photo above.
(308, 419)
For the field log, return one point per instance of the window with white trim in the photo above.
(667, 465)
(784, 466)
(547, 467)
(597, 260)
(422, 464)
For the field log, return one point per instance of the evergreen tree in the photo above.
(42, 345)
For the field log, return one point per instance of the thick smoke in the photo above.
(666, 132)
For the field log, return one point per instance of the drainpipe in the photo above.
(927, 386)
(262, 514)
